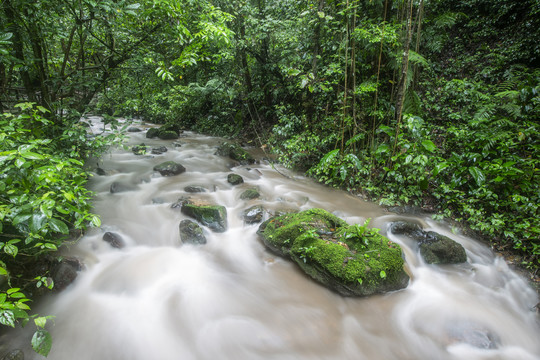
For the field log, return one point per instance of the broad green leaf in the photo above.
(19, 162)
(11, 249)
(440, 167)
(42, 342)
(20, 218)
(58, 226)
(40, 321)
(96, 221)
(329, 157)
(478, 175)
(429, 145)
(383, 148)
(3, 271)
(382, 274)
(12, 290)
(32, 155)
(7, 318)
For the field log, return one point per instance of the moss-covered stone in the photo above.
(169, 168)
(152, 133)
(191, 233)
(250, 194)
(167, 135)
(235, 179)
(235, 152)
(352, 260)
(212, 216)
(440, 249)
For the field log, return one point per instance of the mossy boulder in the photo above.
(212, 216)
(167, 135)
(152, 133)
(169, 168)
(191, 233)
(250, 194)
(350, 259)
(235, 152)
(235, 179)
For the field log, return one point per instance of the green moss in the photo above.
(213, 216)
(353, 260)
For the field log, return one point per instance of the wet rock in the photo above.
(434, 247)
(253, 215)
(159, 150)
(474, 335)
(100, 171)
(235, 179)
(65, 273)
(114, 240)
(167, 135)
(191, 233)
(212, 216)
(133, 130)
(250, 194)
(194, 189)
(152, 133)
(16, 354)
(140, 149)
(177, 144)
(439, 249)
(404, 227)
(235, 152)
(118, 187)
(169, 168)
(348, 259)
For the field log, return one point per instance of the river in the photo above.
(232, 299)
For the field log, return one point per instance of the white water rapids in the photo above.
(232, 299)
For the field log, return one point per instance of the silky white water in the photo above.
(232, 299)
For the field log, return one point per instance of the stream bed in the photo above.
(157, 298)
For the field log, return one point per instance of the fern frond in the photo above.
(412, 104)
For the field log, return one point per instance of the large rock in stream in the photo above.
(434, 247)
(212, 216)
(350, 259)
(191, 233)
(169, 168)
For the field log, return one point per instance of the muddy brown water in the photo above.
(232, 299)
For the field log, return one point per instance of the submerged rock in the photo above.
(118, 187)
(250, 194)
(352, 260)
(169, 168)
(253, 215)
(473, 334)
(212, 216)
(159, 150)
(133, 129)
(191, 233)
(235, 179)
(235, 152)
(114, 240)
(404, 227)
(194, 189)
(16, 354)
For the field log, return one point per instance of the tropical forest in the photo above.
(416, 121)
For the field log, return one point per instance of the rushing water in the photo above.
(232, 299)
